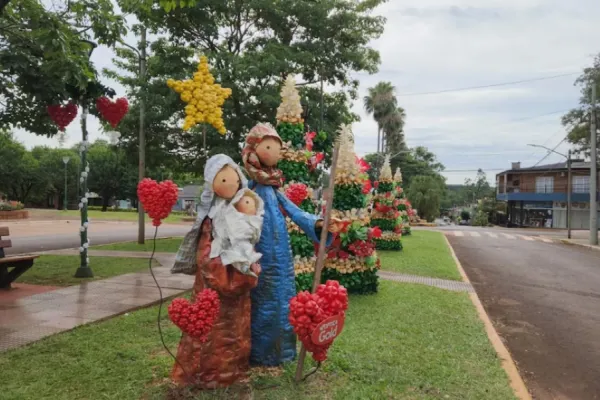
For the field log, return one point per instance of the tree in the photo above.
(577, 121)
(477, 189)
(109, 175)
(393, 130)
(53, 167)
(381, 103)
(44, 56)
(425, 193)
(20, 172)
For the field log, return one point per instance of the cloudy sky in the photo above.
(437, 45)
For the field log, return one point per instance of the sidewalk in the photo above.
(29, 319)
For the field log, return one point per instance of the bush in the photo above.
(465, 215)
(481, 219)
(11, 205)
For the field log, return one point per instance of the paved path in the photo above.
(28, 319)
(36, 236)
(544, 300)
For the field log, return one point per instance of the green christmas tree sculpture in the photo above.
(404, 206)
(352, 259)
(385, 214)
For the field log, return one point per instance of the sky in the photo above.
(437, 45)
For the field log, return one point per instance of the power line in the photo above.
(550, 152)
(486, 86)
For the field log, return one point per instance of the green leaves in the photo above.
(301, 245)
(294, 171)
(347, 197)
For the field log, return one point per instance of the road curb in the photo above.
(587, 246)
(508, 363)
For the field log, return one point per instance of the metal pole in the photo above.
(84, 270)
(321, 253)
(569, 190)
(322, 105)
(142, 136)
(593, 172)
(65, 202)
(204, 143)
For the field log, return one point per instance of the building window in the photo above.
(544, 184)
(581, 184)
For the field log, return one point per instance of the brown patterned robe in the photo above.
(223, 359)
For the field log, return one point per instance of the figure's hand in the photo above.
(256, 269)
(335, 225)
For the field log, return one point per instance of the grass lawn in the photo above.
(170, 245)
(59, 270)
(406, 342)
(425, 253)
(115, 216)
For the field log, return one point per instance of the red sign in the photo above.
(328, 330)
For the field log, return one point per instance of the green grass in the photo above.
(406, 342)
(170, 245)
(59, 270)
(115, 216)
(425, 253)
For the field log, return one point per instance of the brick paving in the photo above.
(24, 320)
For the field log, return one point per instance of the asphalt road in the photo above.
(544, 300)
(55, 235)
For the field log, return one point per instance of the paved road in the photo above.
(544, 299)
(34, 236)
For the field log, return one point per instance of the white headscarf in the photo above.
(185, 260)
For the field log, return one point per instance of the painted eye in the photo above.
(268, 147)
(224, 180)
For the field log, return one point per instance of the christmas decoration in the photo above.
(196, 319)
(314, 312)
(158, 199)
(352, 259)
(204, 98)
(290, 109)
(62, 115)
(112, 111)
(404, 207)
(385, 214)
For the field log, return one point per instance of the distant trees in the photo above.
(381, 103)
(425, 193)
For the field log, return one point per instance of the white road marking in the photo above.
(506, 235)
(545, 240)
(475, 234)
(528, 238)
(490, 234)
(458, 233)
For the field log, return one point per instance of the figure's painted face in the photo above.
(269, 151)
(227, 183)
(246, 205)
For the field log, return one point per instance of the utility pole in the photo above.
(569, 190)
(142, 137)
(593, 171)
(321, 106)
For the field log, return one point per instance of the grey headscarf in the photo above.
(185, 260)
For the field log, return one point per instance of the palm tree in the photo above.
(393, 131)
(381, 103)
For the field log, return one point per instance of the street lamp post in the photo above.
(569, 183)
(66, 161)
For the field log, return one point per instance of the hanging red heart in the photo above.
(196, 319)
(318, 318)
(157, 199)
(112, 111)
(62, 115)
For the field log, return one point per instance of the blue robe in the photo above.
(273, 338)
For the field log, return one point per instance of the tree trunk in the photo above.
(378, 138)
(105, 200)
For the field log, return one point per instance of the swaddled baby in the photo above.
(236, 230)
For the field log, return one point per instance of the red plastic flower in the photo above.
(196, 319)
(316, 160)
(375, 232)
(157, 199)
(308, 138)
(376, 184)
(366, 189)
(297, 193)
(363, 165)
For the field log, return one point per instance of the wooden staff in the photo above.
(321, 254)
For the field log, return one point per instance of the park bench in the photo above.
(19, 264)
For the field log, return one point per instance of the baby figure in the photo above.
(236, 230)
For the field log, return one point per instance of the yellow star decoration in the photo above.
(205, 98)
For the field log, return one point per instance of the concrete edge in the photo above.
(508, 363)
(587, 246)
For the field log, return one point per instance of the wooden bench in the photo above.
(19, 264)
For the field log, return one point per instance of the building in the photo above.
(537, 196)
(189, 196)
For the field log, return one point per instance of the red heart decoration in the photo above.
(112, 111)
(309, 310)
(62, 115)
(196, 319)
(157, 199)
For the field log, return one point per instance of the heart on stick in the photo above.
(196, 319)
(112, 111)
(308, 310)
(157, 199)
(62, 115)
